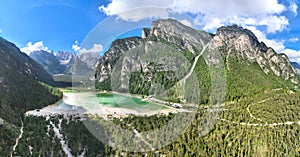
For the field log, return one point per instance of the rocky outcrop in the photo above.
(244, 42)
(118, 47)
(48, 61)
(230, 40)
(179, 35)
(54, 63)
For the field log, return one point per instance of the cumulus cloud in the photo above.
(294, 40)
(278, 46)
(123, 8)
(97, 48)
(267, 15)
(293, 7)
(75, 46)
(0, 31)
(211, 14)
(293, 55)
(34, 47)
(138, 14)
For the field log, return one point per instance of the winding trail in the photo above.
(256, 124)
(17, 140)
(227, 60)
(194, 64)
(263, 122)
(251, 115)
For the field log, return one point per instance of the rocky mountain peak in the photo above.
(180, 35)
(65, 55)
(243, 40)
(234, 39)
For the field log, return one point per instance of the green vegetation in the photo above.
(104, 85)
(246, 79)
(19, 98)
(227, 138)
(139, 82)
(39, 134)
(117, 100)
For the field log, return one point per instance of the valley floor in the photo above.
(86, 103)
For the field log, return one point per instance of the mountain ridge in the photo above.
(23, 83)
(231, 41)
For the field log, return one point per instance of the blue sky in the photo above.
(90, 25)
(58, 23)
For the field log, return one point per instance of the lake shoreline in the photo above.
(74, 99)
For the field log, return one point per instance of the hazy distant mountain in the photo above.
(296, 66)
(82, 64)
(48, 61)
(54, 63)
(65, 63)
(65, 55)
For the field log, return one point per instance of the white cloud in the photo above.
(34, 47)
(294, 40)
(278, 46)
(220, 8)
(293, 55)
(75, 46)
(96, 48)
(186, 22)
(211, 14)
(293, 7)
(274, 23)
(138, 14)
(123, 8)
(0, 31)
(267, 14)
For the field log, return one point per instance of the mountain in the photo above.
(54, 63)
(22, 83)
(244, 57)
(48, 61)
(248, 47)
(259, 116)
(83, 64)
(261, 97)
(65, 58)
(296, 66)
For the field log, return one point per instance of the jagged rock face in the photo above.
(183, 38)
(48, 61)
(118, 47)
(58, 63)
(90, 59)
(169, 31)
(65, 58)
(234, 38)
(64, 55)
(180, 35)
